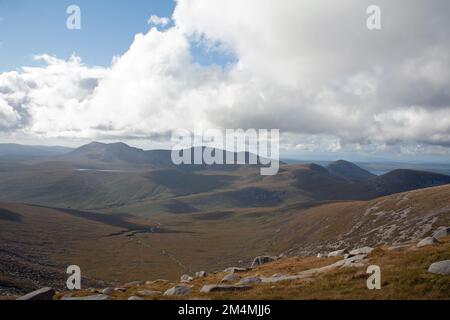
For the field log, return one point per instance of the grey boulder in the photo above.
(441, 232)
(201, 274)
(258, 261)
(232, 277)
(41, 294)
(179, 290)
(186, 278)
(441, 267)
(223, 287)
(235, 269)
(427, 242)
(359, 251)
(108, 291)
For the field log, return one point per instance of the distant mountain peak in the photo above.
(349, 171)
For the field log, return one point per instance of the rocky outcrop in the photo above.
(223, 287)
(41, 294)
(441, 267)
(427, 242)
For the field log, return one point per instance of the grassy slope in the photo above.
(403, 271)
(214, 240)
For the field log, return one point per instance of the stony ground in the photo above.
(405, 274)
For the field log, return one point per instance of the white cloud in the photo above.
(158, 21)
(310, 68)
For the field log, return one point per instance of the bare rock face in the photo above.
(258, 261)
(41, 294)
(427, 242)
(179, 290)
(441, 232)
(441, 267)
(223, 287)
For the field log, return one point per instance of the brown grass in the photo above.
(404, 277)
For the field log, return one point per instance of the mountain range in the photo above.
(124, 213)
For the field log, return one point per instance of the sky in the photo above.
(138, 70)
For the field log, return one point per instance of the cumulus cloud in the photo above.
(309, 68)
(158, 21)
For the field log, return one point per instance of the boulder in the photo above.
(262, 260)
(441, 232)
(320, 256)
(441, 267)
(108, 291)
(235, 269)
(223, 287)
(250, 280)
(338, 253)
(427, 242)
(357, 258)
(88, 298)
(201, 274)
(135, 298)
(186, 278)
(41, 294)
(178, 290)
(359, 251)
(232, 277)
